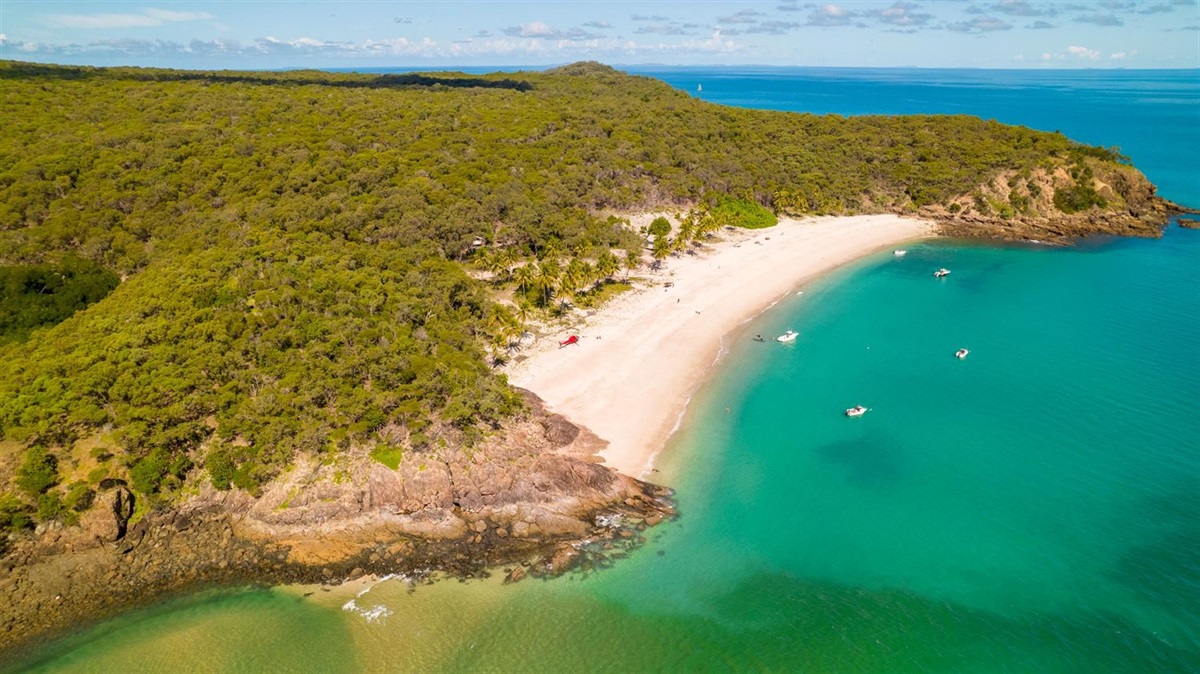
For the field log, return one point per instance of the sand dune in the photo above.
(640, 358)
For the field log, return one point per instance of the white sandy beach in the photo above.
(640, 357)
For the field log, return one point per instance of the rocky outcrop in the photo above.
(531, 495)
(1021, 206)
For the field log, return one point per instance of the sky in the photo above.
(268, 34)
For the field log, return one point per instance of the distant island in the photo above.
(259, 327)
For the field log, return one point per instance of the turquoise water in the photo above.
(1033, 507)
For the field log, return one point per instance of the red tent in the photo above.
(573, 339)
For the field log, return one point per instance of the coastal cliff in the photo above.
(532, 497)
(1058, 205)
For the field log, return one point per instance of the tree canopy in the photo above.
(293, 245)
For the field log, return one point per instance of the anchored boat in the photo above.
(856, 411)
(941, 272)
(789, 336)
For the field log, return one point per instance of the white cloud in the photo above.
(147, 19)
(89, 21)
(830, 15)
(1083, 53)
(535, 29)
(1100, 19)
(714, 43)
(743, 16)
(903, 14)
(1119, 56)
(169, 15)
(979, 24)
(540, 29)
(1017, 8)
(662, 29)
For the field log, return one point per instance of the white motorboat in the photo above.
(856, 411)
(789, 336)
(961, 353)
(900, 253)
(941, 272)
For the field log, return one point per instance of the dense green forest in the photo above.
(293, 248)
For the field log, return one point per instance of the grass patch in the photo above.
(744, 213)
(602, 293)
(388, 455)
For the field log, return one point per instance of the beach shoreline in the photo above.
(640, 358)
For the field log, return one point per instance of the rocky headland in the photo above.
(532, 496)
(1029, 206)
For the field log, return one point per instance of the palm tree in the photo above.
(633, 260)
(509, 258)
(496, 263)
(706, 224)
(549, 278)
(525, 276)
(522, 315)
(574, 276)
(662, 248)
(606, 265)
(687, 231)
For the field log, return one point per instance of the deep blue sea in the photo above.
(1034, 507)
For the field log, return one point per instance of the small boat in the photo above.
(699, 88)
(941, 272)
(900, 253)
(856, 411)
(789, 336)
(961, 353)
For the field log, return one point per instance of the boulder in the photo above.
(106, 521)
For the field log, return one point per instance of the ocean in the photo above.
(1034, 506)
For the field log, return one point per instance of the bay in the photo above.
(1032, 507)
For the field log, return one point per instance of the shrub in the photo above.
(39, 472)
(148, 472)
(660, 227)
(388, 455)
(14, 514)
(743, 213)
(1077, 198)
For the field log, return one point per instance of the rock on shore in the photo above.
(533, 494)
